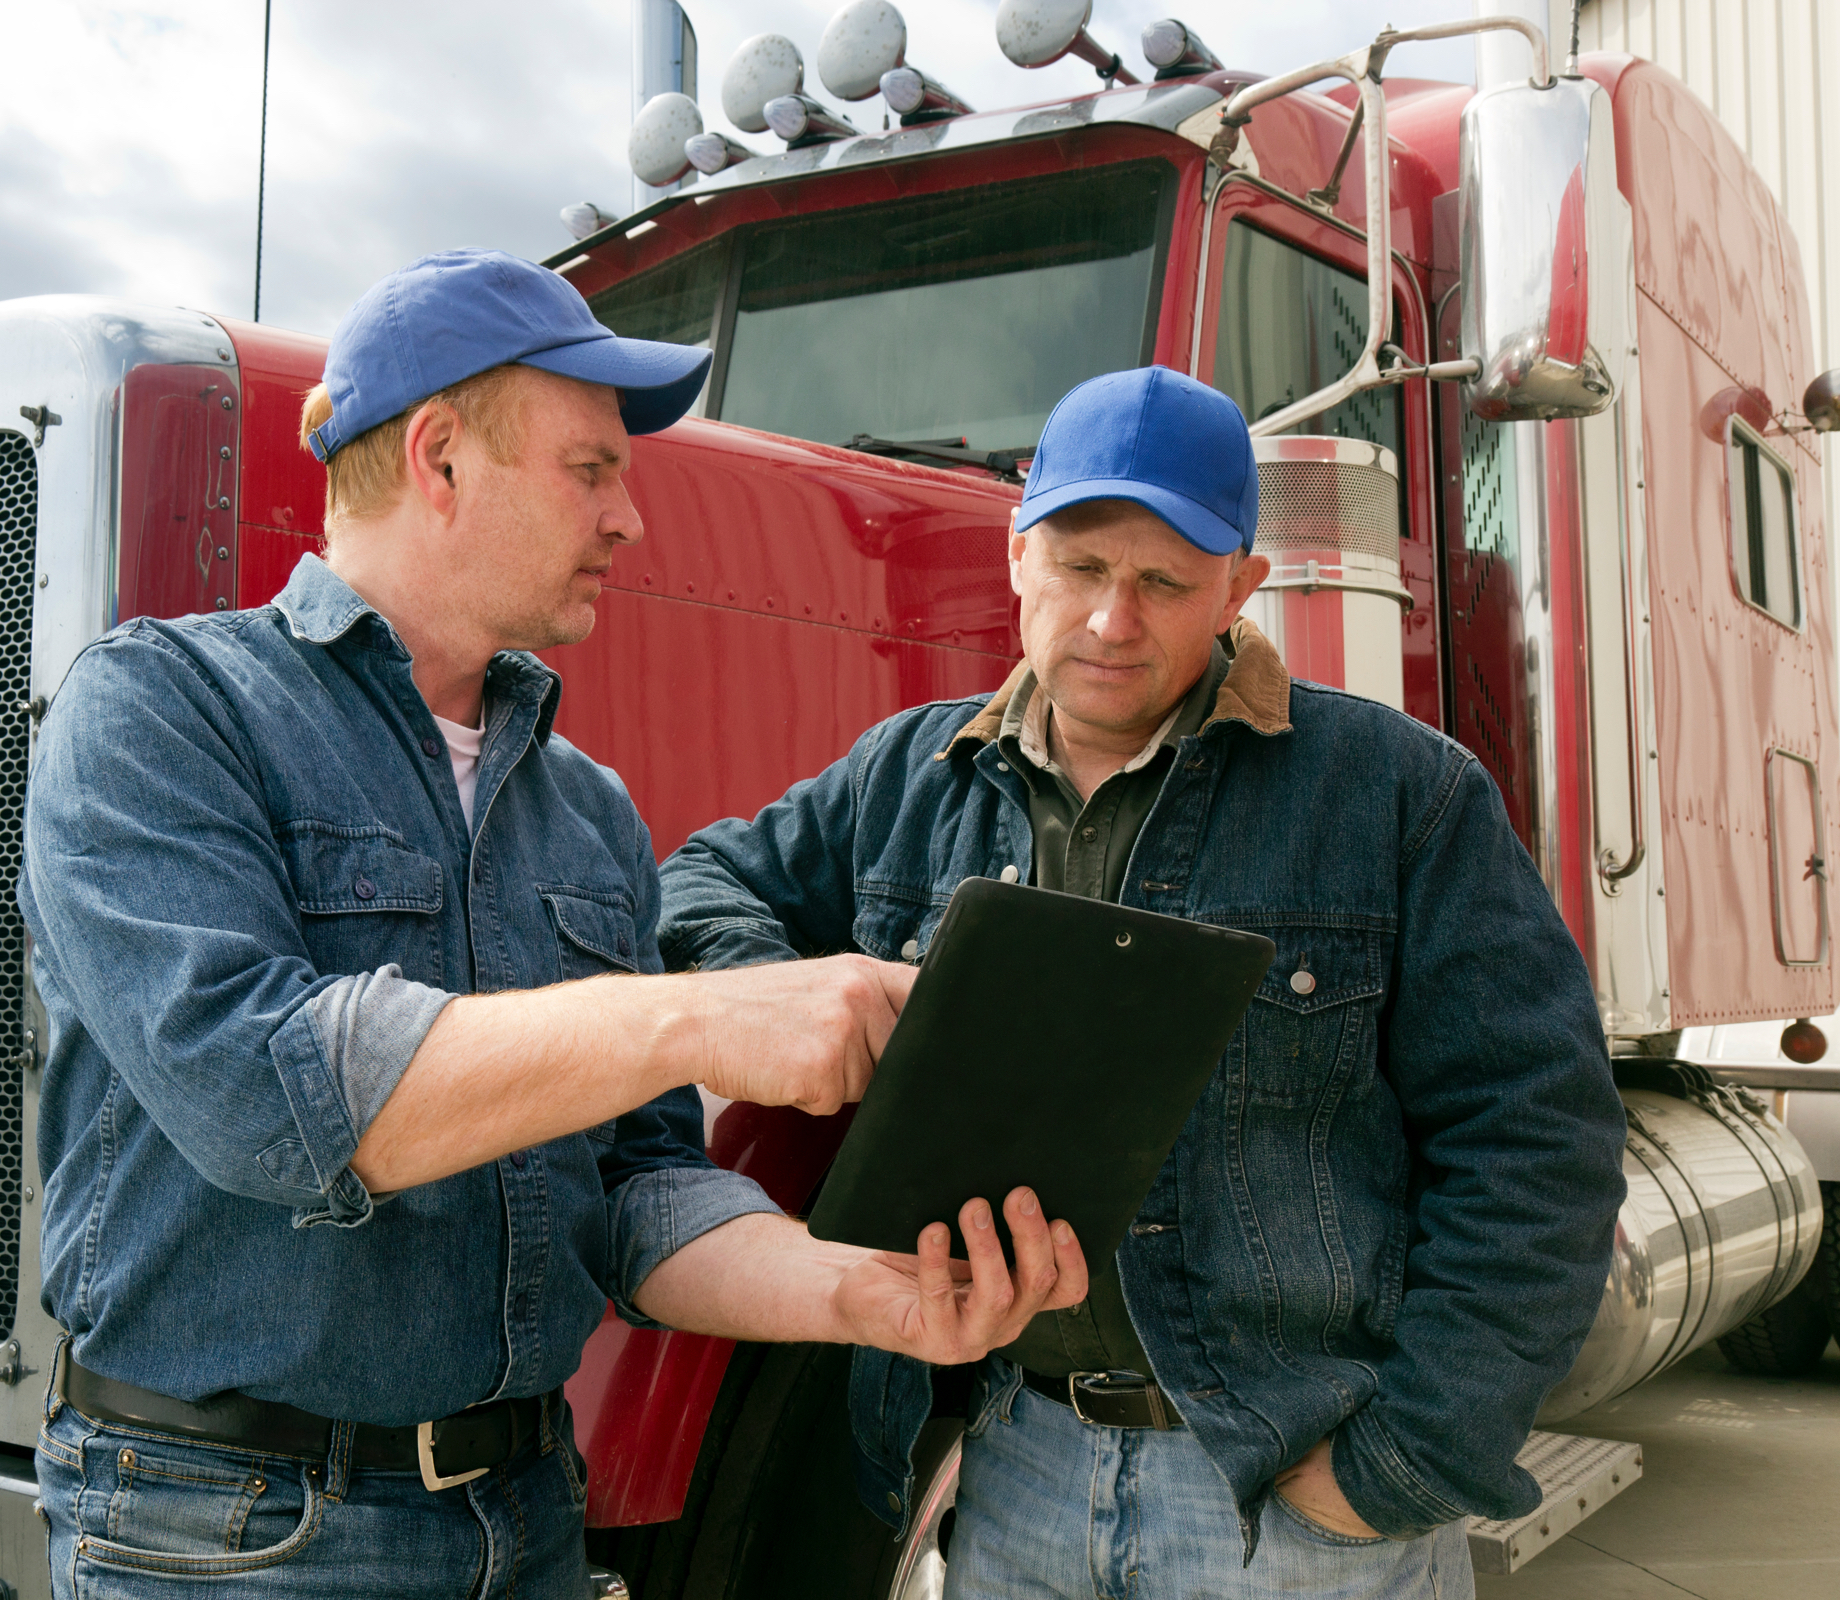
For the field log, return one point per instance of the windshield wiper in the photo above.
(1001, 462)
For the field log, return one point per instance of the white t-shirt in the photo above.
(463, 750)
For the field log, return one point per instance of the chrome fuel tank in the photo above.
(1722, 1220)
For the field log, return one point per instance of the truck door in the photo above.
(1286, 314)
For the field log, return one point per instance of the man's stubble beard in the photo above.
(540, 628)
(1110, 718)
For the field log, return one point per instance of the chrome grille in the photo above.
(1328, 505)
(18, 548)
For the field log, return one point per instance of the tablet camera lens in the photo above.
(1123, 940)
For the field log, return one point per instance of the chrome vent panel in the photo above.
(1329, 505)
(18, 547)
(1488, 666)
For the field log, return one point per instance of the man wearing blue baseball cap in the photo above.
(365, 1087)
(1321, 1345)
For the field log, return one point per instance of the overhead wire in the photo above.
(268, 10)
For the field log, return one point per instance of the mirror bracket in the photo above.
(1362, 68)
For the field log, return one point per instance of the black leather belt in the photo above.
(1108, 1402)
(446, 1452)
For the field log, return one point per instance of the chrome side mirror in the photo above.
(1545, 246)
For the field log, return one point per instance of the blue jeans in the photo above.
(135, 1513)
(1052, 1508)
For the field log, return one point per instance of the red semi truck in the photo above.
(1530, 370)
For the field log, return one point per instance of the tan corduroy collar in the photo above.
(1257, 692)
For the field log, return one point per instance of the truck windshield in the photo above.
(958, 315)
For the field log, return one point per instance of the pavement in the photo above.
(1739, 1497)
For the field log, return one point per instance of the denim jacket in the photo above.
(251, 890)
(1390, 1215)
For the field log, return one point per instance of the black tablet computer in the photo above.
(1050, 1040)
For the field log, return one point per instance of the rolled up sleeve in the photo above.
(156, 893)
(655, 1214)
(662, 1189)
(339, 1058)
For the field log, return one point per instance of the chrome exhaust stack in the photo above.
(1329, 521)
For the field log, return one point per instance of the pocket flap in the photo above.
(598, 924)
(1316, 968)
(890, 917)
(338, 870)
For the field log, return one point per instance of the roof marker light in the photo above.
(711, 153)
(915, 97)
(1037, 33)
(764, 68)
(584, 218)
(1176, 52)
(864, 40)
(1803, 1043)
(864, 48)
(655, 147)
(801, 120)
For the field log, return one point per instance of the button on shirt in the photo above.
(1082, 846)
(252, 888)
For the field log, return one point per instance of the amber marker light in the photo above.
(1803, 1043)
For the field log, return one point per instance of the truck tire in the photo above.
(772, 1511)
(1785, 1341)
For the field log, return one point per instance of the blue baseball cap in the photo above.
(452, 315)
(1159, 439)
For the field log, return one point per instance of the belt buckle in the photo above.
(1073, 1396)
(424, 1453)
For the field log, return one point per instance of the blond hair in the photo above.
(367, 476)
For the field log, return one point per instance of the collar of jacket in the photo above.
(321, 608)
(1257, 692)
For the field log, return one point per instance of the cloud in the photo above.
(402, 126)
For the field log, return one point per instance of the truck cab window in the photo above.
(674, 302)
(1288, 325)
(1764, 563)
(959, 315)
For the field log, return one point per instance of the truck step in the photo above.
(1577, 1476)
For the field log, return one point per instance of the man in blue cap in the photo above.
(1384, 1231)
(365, 1089)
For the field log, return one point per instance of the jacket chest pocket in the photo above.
(366, 899)
(594, 931)
(1311, 1026)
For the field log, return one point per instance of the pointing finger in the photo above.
(882, 1002)
(897, 981)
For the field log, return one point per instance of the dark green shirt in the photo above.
(1082, 847)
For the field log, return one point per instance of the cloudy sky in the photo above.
(130, 131)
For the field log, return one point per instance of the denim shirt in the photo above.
(250, 891)
(1390, 1215)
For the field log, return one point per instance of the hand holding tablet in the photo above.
(1052, 1042)
(949, 1312)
